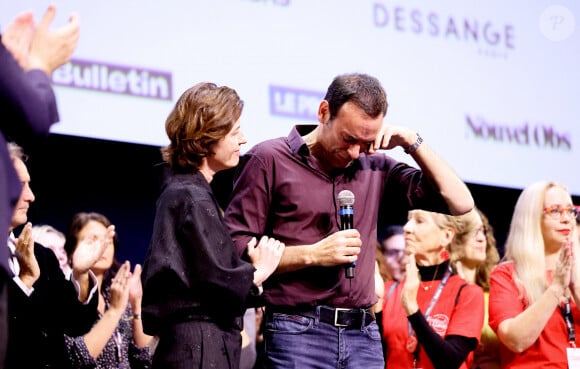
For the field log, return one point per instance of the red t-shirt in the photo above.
(549, 350)
(447, 318)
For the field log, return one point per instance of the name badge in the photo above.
(573, 354)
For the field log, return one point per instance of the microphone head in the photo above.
(345, 198)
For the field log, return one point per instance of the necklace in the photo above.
(426, 288)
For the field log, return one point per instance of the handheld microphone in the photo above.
(346, 201)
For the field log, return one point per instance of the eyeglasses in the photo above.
(555, 212)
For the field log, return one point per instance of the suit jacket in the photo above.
(37, 323)
(27, 110)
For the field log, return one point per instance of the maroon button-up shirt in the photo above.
(282, 192)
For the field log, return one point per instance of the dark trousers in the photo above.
(198, 344)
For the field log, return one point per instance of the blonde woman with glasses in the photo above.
(534, 293)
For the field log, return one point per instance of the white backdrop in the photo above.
(494, 87)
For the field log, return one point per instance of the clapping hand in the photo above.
(562, 276)
(90, 249)
(17, 37)
(49, 49)
(135, 288)
(120, 287)
(573, 266)
(29, 269)
(410, 287)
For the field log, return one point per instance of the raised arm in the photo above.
(452, 188)
(38, 46)
(101, 332)
(28, 56)
(51, 48)
(135, 298)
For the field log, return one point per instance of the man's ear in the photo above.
(323, 112)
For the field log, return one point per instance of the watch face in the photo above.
(411, 149)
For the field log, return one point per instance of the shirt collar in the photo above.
(295, 140)
(12, 242)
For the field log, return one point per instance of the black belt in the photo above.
(338, 317)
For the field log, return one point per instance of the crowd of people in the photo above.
(266, 281)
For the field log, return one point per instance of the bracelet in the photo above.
(411, 149)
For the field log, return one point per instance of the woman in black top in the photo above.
(196, 286)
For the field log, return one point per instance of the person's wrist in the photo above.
(411, 149)
(259, 277)
(28, 280)
(135, 302)
(116, 311)
(557, 291)
(34, 63)
(80, 275)
(411, 308)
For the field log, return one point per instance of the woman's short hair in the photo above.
(203, 115)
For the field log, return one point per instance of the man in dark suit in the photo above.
(43, 304)
(29, 54)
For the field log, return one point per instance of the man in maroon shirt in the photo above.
(288, 189)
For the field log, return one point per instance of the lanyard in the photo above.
(412, 339)
(566, 311)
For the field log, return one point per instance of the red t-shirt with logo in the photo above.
(450, 315)
(549, 350)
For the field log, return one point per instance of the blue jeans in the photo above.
(298, 342)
